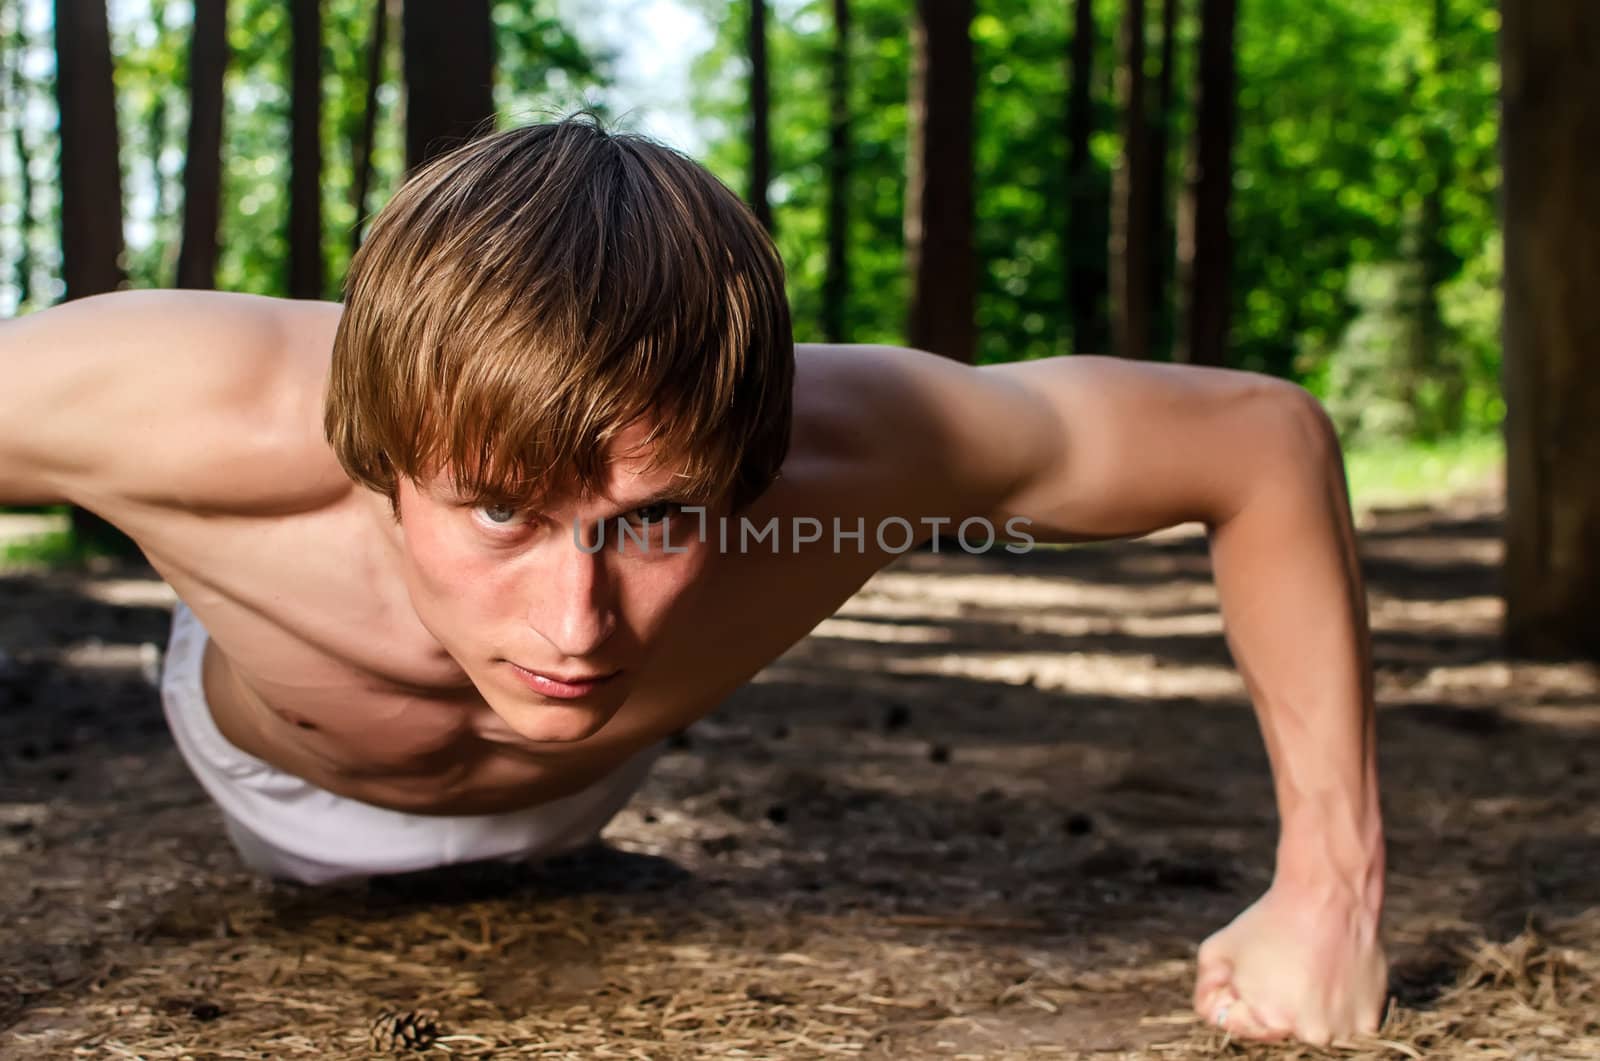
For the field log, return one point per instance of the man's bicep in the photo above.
(1137, 446)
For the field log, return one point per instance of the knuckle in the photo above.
(1211, 952)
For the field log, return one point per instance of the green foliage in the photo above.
(253, 239)
(32, 275)
(152, 116)
(1408, 472)
(1379, 300)
(541, 69)
(1020, 48)
(59, 547)
(800, 43)
(1366, 260)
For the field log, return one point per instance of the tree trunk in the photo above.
(449, 71)
(91, 186)
(91, 180)
(1130, 214)
(306, 273)
(361, 154)
(202, 159)
(939, 243)
(1158, 187)
(760, 117)
(1550, 150)
(1086, 202)
(1205, 244)
(836, 284)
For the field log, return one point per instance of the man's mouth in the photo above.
(571, 685)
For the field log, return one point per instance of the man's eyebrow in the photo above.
(655, 497)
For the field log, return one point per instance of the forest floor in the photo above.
(987, 811)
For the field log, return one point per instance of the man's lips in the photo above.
(561, 686)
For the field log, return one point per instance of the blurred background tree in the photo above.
(1552, 324)
(938, 208)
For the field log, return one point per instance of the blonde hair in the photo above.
(526, 297)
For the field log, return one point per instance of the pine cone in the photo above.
(412, 1029)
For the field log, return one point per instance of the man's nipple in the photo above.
(297, 720)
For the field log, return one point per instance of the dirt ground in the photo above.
(987, 811)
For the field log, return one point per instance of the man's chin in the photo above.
(553, 722)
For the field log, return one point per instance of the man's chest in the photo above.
(418, 750)
(315, 663)
(321, 666)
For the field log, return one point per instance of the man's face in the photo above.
(532, 611)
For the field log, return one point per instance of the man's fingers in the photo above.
(1210, 998)
(1245, 1022)
(1214, 1003)
(1220, 1006)
(1213, 974)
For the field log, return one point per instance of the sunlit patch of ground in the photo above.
(987, 811)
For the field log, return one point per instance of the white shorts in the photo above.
(288, 828)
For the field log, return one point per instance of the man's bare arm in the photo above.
(1090, 448)
(1256, 460)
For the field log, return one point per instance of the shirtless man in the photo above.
(399, 648)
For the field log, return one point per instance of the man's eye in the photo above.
(656, 513)
(498, 515)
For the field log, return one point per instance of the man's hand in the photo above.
(1303, 964)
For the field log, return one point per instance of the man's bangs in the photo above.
(529, 465)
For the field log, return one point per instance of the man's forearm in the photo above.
(1294, 609)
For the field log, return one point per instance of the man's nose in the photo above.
(574, 609)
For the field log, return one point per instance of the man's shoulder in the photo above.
(193, 399)
(909, 431)
(856, 402)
